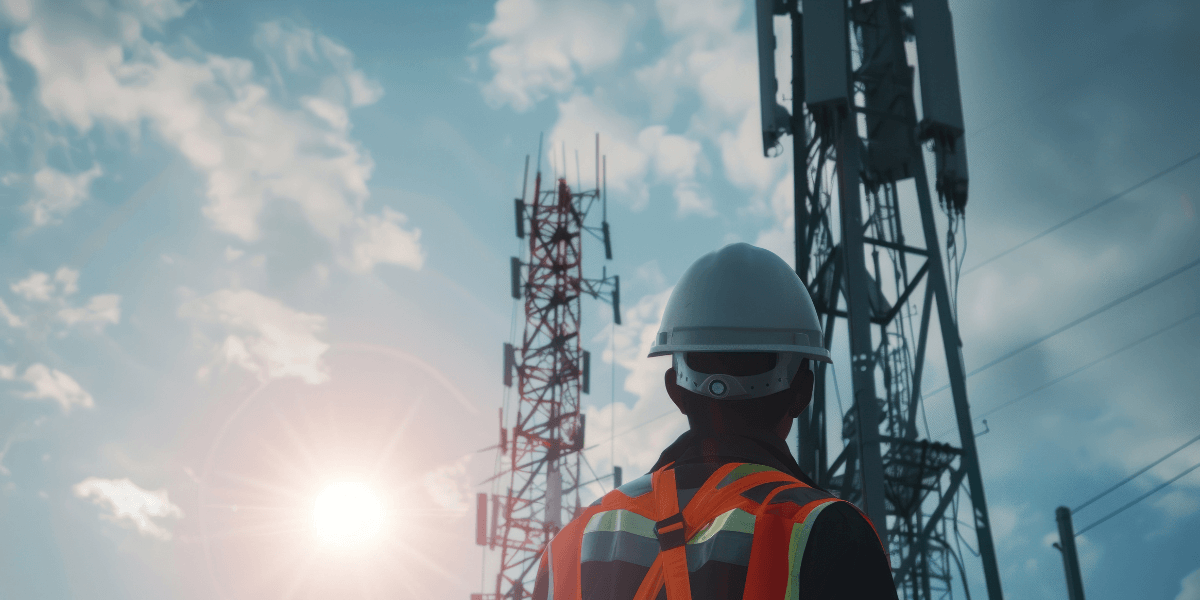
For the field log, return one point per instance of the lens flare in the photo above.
(347, 512)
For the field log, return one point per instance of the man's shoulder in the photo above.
(691, 477)
(842, 515)
(633, 489)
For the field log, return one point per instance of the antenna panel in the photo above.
(826, 54)
(940, 100)
(776, 120)
(586, 373)
(515, 268)
(616, 299)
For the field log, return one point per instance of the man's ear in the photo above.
(673, 389)
(802, 387)
(803, 384)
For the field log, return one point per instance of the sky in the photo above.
(253, 249)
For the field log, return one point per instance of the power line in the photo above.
(1131, 477)
(1089, 365)
(1112, 304)
(1138, 499)
(1086, 211)
(597, 478)
(631, 429)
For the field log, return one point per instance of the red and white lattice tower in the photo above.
(541, 450)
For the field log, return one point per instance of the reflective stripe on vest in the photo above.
(619, 535)
(726, 539)
(629, 537)
(799, 540)
(743, 470)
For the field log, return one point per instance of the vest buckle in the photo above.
(671, 532)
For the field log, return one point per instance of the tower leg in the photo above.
(862, 348)
(952, 344)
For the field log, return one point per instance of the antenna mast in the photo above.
(542, 447)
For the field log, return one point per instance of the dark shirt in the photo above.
(843, 559)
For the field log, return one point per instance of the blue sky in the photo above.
(253, 248)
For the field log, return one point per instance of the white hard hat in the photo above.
(740, 299)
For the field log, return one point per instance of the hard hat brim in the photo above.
(810, 352)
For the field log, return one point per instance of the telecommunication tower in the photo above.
(860, 167)
(541, 450)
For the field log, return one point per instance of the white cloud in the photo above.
(383, 239)
(10, 318)
(699, 17)
(131, 503)
(1189, 588)
(264, 336)
(250, 148)
(334, 114)
(51, 384)
(635, 156)
(448, 486)
(714, 56)
(154, 13)
(68, 279)
(40, 287)
(104, 308)
(36, 287)
(542, 46)
(711, 56)
(56, 193)
(677, 160)
(17, 11)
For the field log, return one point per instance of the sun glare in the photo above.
(347, 512)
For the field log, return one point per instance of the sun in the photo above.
(347, 513)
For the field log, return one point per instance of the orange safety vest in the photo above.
(780, 524)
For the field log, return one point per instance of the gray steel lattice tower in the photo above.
(858, 151)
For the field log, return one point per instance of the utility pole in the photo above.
(1066, 545)
(859, 157)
